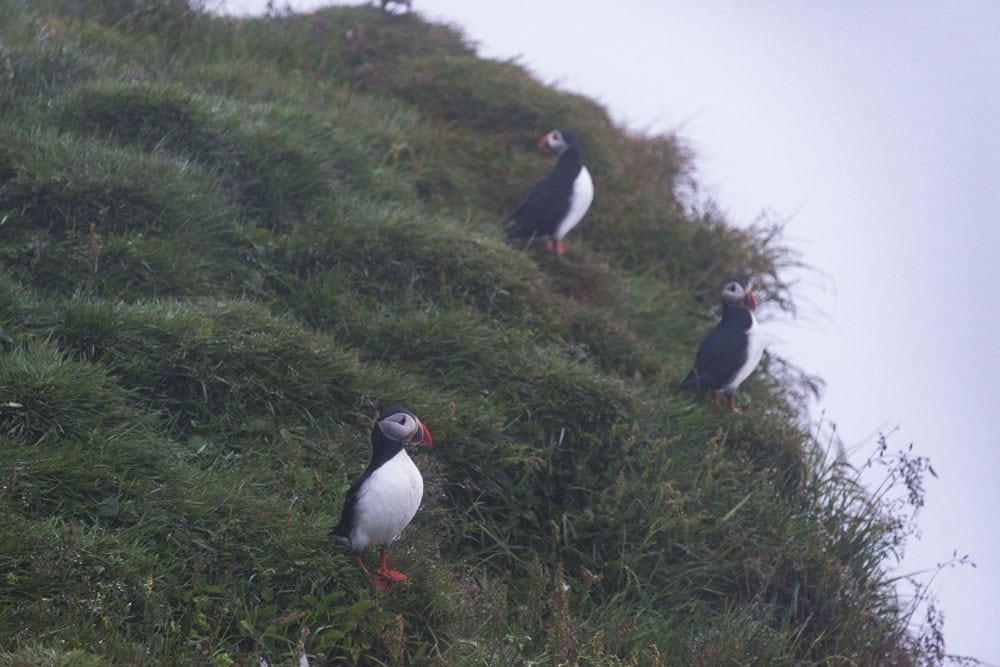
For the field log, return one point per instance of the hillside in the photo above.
(226, 243)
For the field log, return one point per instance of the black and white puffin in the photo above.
(731, 350)
(382, 502)
(558, 202)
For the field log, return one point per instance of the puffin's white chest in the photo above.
(582, 197)
(755, 350)
(387, 501)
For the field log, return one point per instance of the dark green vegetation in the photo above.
(225, 243)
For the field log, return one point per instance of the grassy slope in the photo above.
(226, 243)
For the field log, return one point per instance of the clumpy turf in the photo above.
(226, 242)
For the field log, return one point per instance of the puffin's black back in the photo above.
(383, 449)
(546, 204)
(722, 353)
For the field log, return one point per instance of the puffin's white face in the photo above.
(404, 427)
(553, 142)
(736, 295)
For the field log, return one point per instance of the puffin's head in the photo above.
(557, 141)
(735, 294)
(399, 424)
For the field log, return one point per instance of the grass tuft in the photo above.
(47, 396)
(216, 366)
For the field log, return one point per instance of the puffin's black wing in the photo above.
(346, 523)
(543, 208)
(721, 354)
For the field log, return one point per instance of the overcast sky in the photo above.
(875, 129)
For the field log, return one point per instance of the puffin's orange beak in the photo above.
(425, 436)
(543, 143)
(749, 301)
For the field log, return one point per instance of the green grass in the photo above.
(227, 242)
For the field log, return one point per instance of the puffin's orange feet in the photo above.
(360, 562)
(560, 248)
(383, 568)
(391, 574)
(377, 584)
(550, 245)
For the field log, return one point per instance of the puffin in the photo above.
(557, 203)
(730, 351)
(383, 501)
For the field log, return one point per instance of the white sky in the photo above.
(876, 128)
